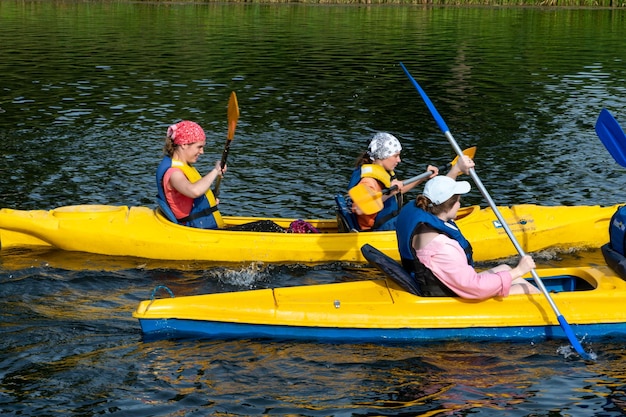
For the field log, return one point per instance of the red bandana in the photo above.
(186, 132)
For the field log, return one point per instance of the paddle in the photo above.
(612, 136)
(370, 202)
(233, 116)
(444, 128)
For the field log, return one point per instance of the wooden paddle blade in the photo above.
(233, 115)
(612, 136)
(365, 199)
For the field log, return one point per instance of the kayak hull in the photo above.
(182, 329)
(144, 233)
(380, 310)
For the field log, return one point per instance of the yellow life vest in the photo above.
(378, 173)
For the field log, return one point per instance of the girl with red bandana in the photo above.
(183, 194)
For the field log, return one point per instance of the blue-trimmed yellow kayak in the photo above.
(143, 232)
(591, 298)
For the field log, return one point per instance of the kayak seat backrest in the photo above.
(346, 219)
(615, 260)
(166, 210)
(392, 269)
(617, 231)
(614, 251)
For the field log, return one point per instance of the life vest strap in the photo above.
(382, 219)
(194, 216)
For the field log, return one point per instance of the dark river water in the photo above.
(88, 90)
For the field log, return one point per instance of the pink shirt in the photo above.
(446, 259)
(179, 203)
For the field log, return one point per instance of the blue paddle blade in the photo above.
(572, 338)
(612, 136)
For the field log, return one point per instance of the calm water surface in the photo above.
(88, 90)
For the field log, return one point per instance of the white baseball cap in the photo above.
(441, 188)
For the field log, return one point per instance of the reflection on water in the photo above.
(98, 84)
(88, 91)
(84, 351)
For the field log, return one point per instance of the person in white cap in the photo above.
(375, 169)
(434, 250)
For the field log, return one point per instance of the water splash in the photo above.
(246, 276)
(569, 353)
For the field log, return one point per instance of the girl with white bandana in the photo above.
(375, 170)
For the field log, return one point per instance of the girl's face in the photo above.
(192, 151)
(390, 163)
(455, 208)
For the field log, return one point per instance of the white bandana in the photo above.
(383, 145)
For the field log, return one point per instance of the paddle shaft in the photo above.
(444, 128)
(233, 116)
(225, 152)
(218, 180)
(470, 152)
(414, 179)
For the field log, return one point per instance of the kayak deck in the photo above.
(144, 233)
(591, 298)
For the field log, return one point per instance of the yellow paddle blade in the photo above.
(233, 115)
(467, 152)
(365, 199)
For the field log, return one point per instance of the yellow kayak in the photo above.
(143, 232)
(591, 298)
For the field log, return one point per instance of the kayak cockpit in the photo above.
(564, 283)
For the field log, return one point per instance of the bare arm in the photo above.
(179, 181)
